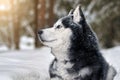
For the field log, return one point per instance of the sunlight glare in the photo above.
(3, 7)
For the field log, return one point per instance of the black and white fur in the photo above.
(76, 51)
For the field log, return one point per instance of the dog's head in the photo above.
(66, 29)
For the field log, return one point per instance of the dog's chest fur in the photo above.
(61, 68)
(63, 64)
(61, 52)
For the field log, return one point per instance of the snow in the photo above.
(34, 64)
(27, 43)
(25, 64)
(3, 48)
(112, 56)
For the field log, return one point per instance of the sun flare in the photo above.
(4, 5)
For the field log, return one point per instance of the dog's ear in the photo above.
(78, 14)
(71, 11)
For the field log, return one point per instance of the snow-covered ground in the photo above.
(25, 64)
(113, 58)
(33, 64)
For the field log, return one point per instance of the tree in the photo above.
(16, 31)
(50, 9)
(40, 21)
(102, 15)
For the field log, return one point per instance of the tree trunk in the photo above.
(109, 40)
(16, 31)
(39, 19)
(51, 18)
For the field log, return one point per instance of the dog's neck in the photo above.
(61, 52)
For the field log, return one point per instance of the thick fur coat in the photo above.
(76, 51)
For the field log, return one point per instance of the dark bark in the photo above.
(39, 19)
(16, 25)
(51, 18)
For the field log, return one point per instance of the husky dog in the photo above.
(76, 51)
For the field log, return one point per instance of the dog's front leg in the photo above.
(53, 71)
(56, 78)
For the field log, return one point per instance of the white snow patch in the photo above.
(113, 58)
(4, 77)
(26, 64)
(27, 43)
(34, 64)
(3, 48)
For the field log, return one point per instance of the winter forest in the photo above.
(21, 53)
(21, 19)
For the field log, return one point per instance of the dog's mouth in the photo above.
(43, 40)
(48, 40)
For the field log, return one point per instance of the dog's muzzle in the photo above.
(42, 39)
(40, 32)
(39, 35)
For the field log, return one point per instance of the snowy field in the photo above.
(33, 64)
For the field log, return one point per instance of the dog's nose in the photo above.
(40, 32)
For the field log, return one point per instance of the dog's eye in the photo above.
(58, 27)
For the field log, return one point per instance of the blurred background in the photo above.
(21, 19)
(23, 57)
